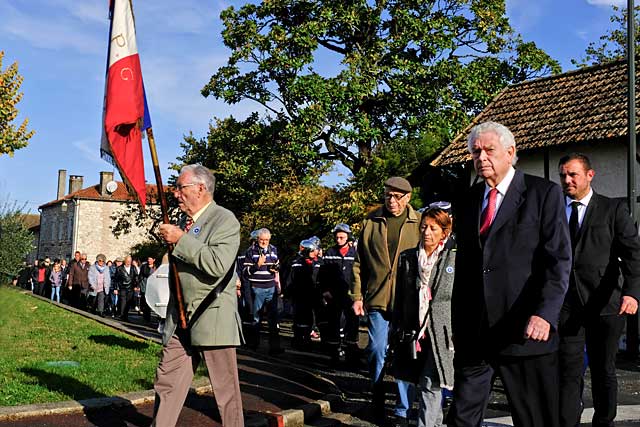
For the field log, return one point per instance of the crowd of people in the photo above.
(315, 284)
(104, 287)
(534, 275)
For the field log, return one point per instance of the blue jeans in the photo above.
(377, 347)
(55, 293)
(376, 352)
(262, 296)
(406, 396)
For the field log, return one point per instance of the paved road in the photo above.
(296, 380)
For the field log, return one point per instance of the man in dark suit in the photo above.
(605, 244)
(512, 272)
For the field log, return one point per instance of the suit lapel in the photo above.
(477, 195)
(586, 221)
(509, 206)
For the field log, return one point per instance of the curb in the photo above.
(626, 413)
(285, 418)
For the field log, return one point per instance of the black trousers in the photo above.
(600, 335)
(531, 384)
(125, 302)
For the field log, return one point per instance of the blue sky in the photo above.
(60, 47)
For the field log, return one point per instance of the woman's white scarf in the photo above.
(425, 266)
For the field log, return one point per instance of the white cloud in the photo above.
(89, 12)
(525, 14)
(89, 149)
(583, 35)
(50, 32)
(173, 89)
(607, 2)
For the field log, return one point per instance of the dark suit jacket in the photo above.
(521, 270)
(607, 257)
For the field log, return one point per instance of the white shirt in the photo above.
(502, 188)
(582, 207)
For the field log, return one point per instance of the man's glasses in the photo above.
(395, 196)
(183, 186)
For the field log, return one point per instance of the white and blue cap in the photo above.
(441, 204)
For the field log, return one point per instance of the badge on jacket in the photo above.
(196, 230)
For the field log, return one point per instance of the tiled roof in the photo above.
(31, 220)
(120, 195)
(585, 105)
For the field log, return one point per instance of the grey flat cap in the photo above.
(398, 183)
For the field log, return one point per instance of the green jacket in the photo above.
(203, 257)
(374, 273)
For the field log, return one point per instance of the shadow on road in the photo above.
(121, 413)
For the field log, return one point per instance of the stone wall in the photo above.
(61, 234)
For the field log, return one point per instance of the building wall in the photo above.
(61, 234)
(56, 235)
(609, 162)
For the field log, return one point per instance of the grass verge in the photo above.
(49, 354)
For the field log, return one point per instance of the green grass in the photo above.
(35, 334)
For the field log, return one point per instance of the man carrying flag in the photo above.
(200, 255)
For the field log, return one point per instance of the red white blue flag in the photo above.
(125, 114)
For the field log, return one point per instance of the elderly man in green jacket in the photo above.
(386, 232)
(204, 253)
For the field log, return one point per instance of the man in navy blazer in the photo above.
(512, 273)
(604, 286)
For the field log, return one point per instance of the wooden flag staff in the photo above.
(165, 219)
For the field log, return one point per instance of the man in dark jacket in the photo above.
(127, 283)
(512, 273)
(78, 281)
(336, 274)
(603, 287)
(146, 270)
(302, 290)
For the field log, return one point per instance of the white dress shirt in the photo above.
(502, 188)
(582, 207)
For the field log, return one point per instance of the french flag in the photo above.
(125, 113)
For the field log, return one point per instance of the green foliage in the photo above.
(11, 137)
(16, 241)
(152, 248)
(612, 45)
(248, 157)
(352, 81)
(35, 333)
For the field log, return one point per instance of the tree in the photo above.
(612, 45)
(248, 157)
(16, 241)
(349, 80)
(11, 137)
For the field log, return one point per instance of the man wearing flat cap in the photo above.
(386, 232)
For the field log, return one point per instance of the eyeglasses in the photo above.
(395, 196)
(183, 186)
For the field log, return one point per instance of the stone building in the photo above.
(81, 219)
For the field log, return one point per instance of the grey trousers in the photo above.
(174, 375)
(430, 395)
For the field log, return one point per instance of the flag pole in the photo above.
(165, 219)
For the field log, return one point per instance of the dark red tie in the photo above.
(488, 213)
(188, 224)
